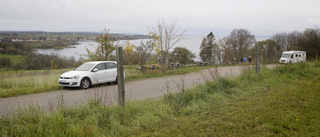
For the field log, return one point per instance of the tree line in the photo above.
(240, 43)
(230, 49)
(15, 48)
(159, 49)
(31, 60)
(35, 61)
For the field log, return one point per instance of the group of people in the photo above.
(244, 59)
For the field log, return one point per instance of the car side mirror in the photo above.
(95, 70)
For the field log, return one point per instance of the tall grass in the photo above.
(25, 82)
(98, 119)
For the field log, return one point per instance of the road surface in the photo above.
(134, 90)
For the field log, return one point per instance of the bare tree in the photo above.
(310, 42)
(268, 51)
(165, 36)
(144, 53)
(226, 50)
(281, 43)
(216, 54)
(241, 40)
(293, 40)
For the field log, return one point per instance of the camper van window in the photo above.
(296, 55)
(299, 55)
(285, 56)
(292, 56)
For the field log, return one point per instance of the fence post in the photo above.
(120, 77)
(257, 58)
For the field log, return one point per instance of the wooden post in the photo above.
(257, 58)
(120, 77)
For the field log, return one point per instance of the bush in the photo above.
(18, 66)
(5, 63)
(41, 61)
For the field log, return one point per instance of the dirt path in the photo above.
(135, 90)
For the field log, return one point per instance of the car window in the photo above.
(85, 67)
(100, 66)
(111, 65)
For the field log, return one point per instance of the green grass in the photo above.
(14, 58)
(278, 102)
(290, 109)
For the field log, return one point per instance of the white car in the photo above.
(89, 74)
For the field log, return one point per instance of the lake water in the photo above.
(192, 43)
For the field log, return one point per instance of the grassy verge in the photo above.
(14, 83)
(282, 101)
(289, 109)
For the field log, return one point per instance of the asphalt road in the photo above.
(135, 90)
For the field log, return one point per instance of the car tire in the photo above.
(116, 82)
(85, 83)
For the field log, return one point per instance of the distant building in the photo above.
(17, 40)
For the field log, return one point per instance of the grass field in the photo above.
(14, 58)
(280, 102)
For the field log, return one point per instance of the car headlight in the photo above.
(75, 77)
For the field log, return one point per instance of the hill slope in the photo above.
(289, 109)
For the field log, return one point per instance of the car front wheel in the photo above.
(85, 83)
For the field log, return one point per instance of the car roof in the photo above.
(97, 62)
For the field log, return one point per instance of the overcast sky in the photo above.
(199, 17)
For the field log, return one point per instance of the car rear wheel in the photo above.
(116, 82)
(85, 83)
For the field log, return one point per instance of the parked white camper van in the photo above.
(293, 57)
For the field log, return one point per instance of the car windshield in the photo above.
(85, 67)
(285, 55)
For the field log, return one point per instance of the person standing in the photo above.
(249, 59)
(244, 59)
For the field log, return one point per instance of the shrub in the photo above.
(5, 63)
(34, 61)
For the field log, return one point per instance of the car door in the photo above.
(111, 71)
(100, 72)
